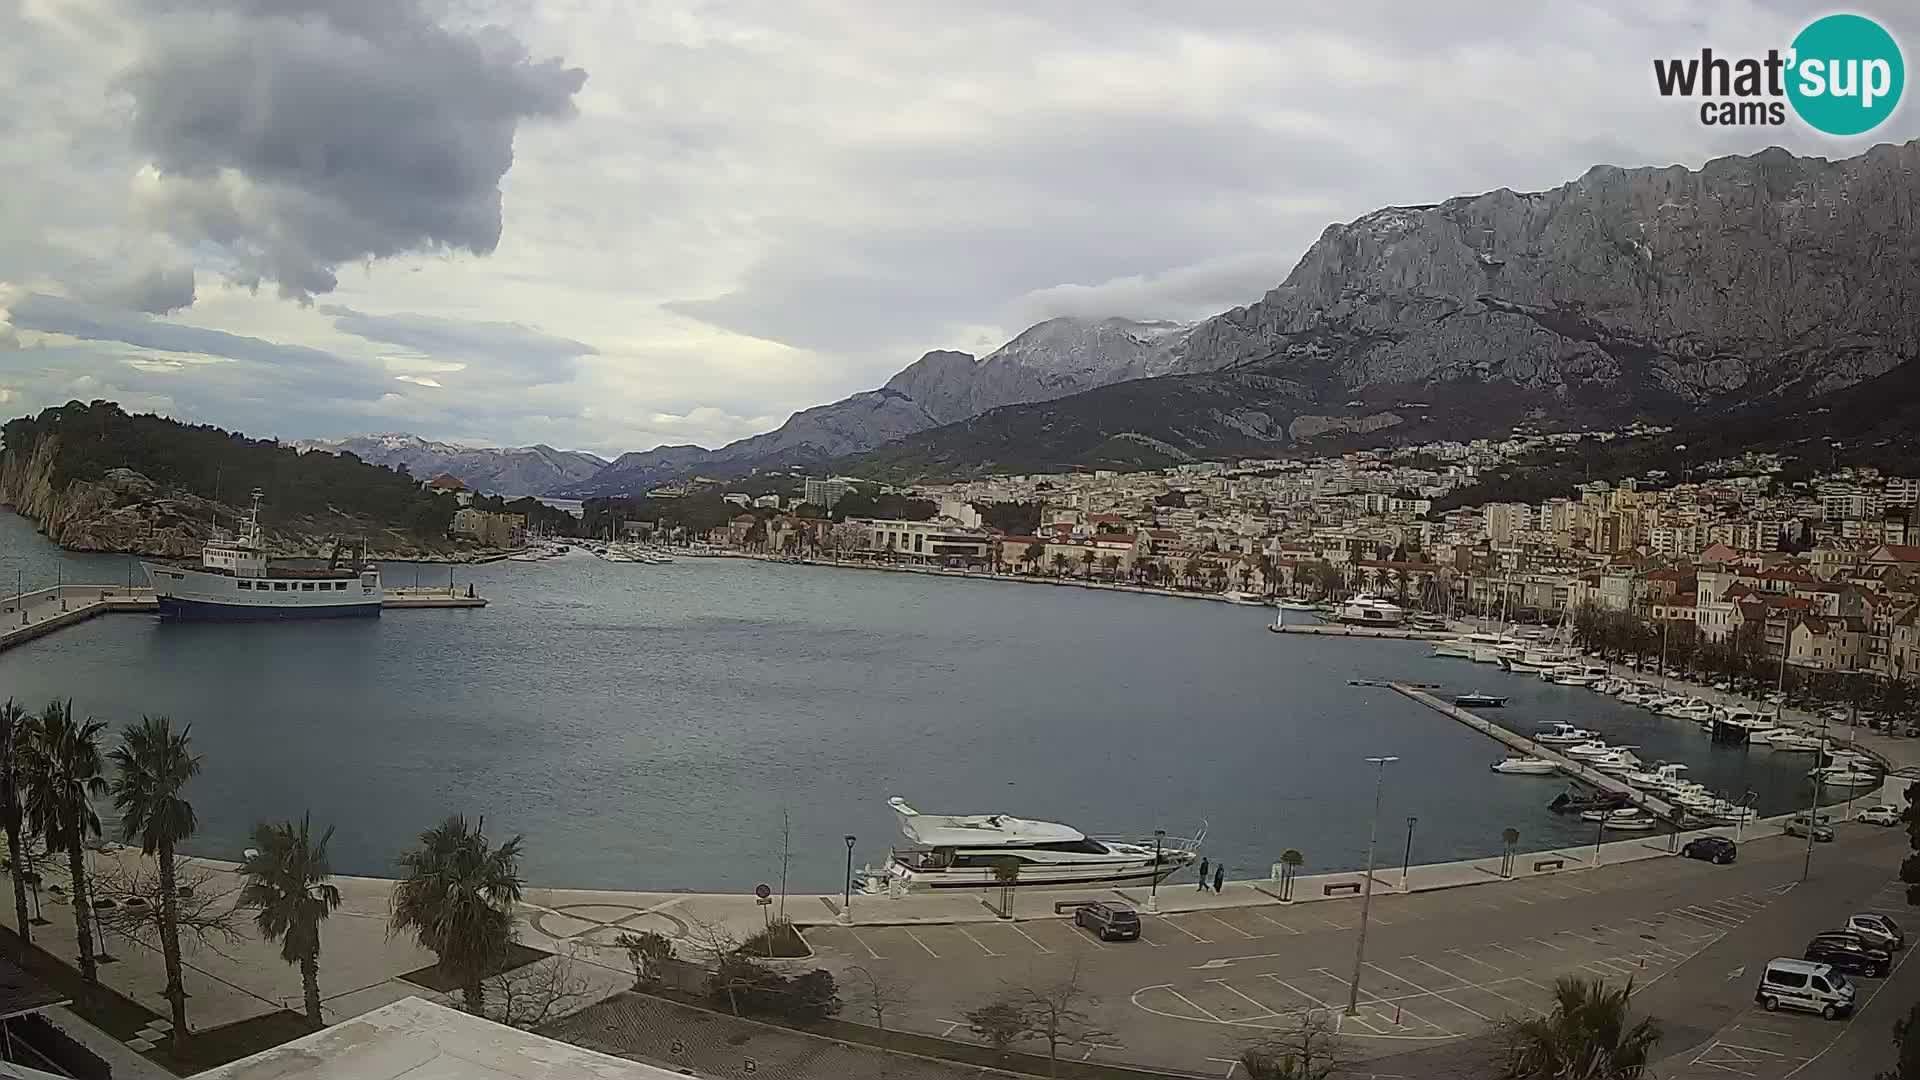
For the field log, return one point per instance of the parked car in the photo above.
(1879, 815)
(1713, 849)
(1109, 921)
(1798, 984)
(1878, 929)
(1850, 952)
(1801, 825)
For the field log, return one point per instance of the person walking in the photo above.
(1219, 876)
(1203, 874)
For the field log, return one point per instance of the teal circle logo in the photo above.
(1847, 74)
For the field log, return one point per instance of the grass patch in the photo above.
(518, 956)
(779, 941)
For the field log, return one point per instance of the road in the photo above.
(1440, 966)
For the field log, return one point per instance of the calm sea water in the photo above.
(645, 726)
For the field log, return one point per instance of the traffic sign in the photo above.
(763, 890)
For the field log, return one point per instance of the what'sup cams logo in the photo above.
(1842, 75)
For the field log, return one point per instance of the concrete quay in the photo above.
(26, 616)
(1343, 630)
(1580, 770)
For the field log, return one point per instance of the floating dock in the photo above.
(35, 614)
(1580, 771)
(1343, 630)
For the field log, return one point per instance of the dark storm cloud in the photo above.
(508, 351)
(154, 289)
(300, 136)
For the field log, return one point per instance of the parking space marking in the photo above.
(863, 944)
(1440, 994)
(1335, 925)
(929, 948)
(1276, 922)
(1232, 927)
(970, 937)
(1582, 937)
(1495, 968)
(1190, 1004)
(1266, 1009)
(1375, 999)
(1029, 937)
(1548, 944)
(1504, 949)
(1184, 930)
(1712, 918)
(1441, 970)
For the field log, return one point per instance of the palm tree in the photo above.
(1590, 1034)
(16, 733)
(458, 899)
(287, 880)
(62, 774)
(1086, 560)
(1059, 563)
(151, 765)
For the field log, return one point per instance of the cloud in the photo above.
(1185, 293)
(508, 351)
(154, 288)
(295, 137)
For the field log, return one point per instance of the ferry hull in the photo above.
(175, 608)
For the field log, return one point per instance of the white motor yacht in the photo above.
(1237, 596)
(1625, 819)
(1525, 766)
(1845, 776)
(1618, 762)
(1563, 735)
(1592, 748)
(1368, 610)
(965, 852)
(1793, 742)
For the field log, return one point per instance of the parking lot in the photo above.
(1440, 966)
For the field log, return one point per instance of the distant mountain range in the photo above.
(1749, 287)
(525, 470)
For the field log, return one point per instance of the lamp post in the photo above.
(846, 886)
(1406, 860)
(1366, 896)
(1153, 889)
(1813, 798)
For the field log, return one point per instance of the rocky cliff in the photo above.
(1663, 293)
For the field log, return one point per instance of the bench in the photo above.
(1340, 886)
(1548, 864)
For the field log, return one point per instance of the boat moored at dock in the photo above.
(236, 581)
(967, 852)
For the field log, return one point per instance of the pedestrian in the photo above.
(1203, 874)
(1219, 875)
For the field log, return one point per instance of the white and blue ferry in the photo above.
(235, 580)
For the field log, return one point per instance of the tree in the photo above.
(1059, 563)
(1906, 1043)
(1087, 558)
(458, 898)
(1035, 552)
(877, 994)
(1591, 1033)
(1112, 563)
(289, 885)
(1910, 866)
(999, 1023)
(16, 735)
(1307, 1051)
(532, 995)
(1290, 863)
(1006, 874)
(62, 777)
(1056, 1012)
(151, 765)
(648, 951)
(133, 903)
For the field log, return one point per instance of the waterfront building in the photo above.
(939, 541)
(824, 494)
(490, 527)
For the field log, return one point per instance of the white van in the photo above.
(1801, 984)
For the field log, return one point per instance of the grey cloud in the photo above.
(297, 137)
(294, 368)
(155, 289)
(1187, 293)
(511, 352)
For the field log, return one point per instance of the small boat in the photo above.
(1795, 743)
(1575, 802)
(1843, 776)
(1236, 596)
(1296, 605)
(1478, 700)
(1563, 735)
(1625, 819)
(1525, 766)
(1366, 610)
(1592, 748)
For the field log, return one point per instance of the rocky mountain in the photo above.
(1656, 293)
(1049, 360)
(524, 470)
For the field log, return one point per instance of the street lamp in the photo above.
(846, 886)
(1366, 896)
(1407, 860)
(1153, 889)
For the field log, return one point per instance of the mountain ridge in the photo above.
(517, 470)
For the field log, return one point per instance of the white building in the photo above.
(823, 493)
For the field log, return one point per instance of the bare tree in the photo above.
(1056, 1012)
(1308, 1050)
(999, 1023)
(877, 994)
(128, 894)
(529, 996)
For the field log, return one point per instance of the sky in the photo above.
(613, 224)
